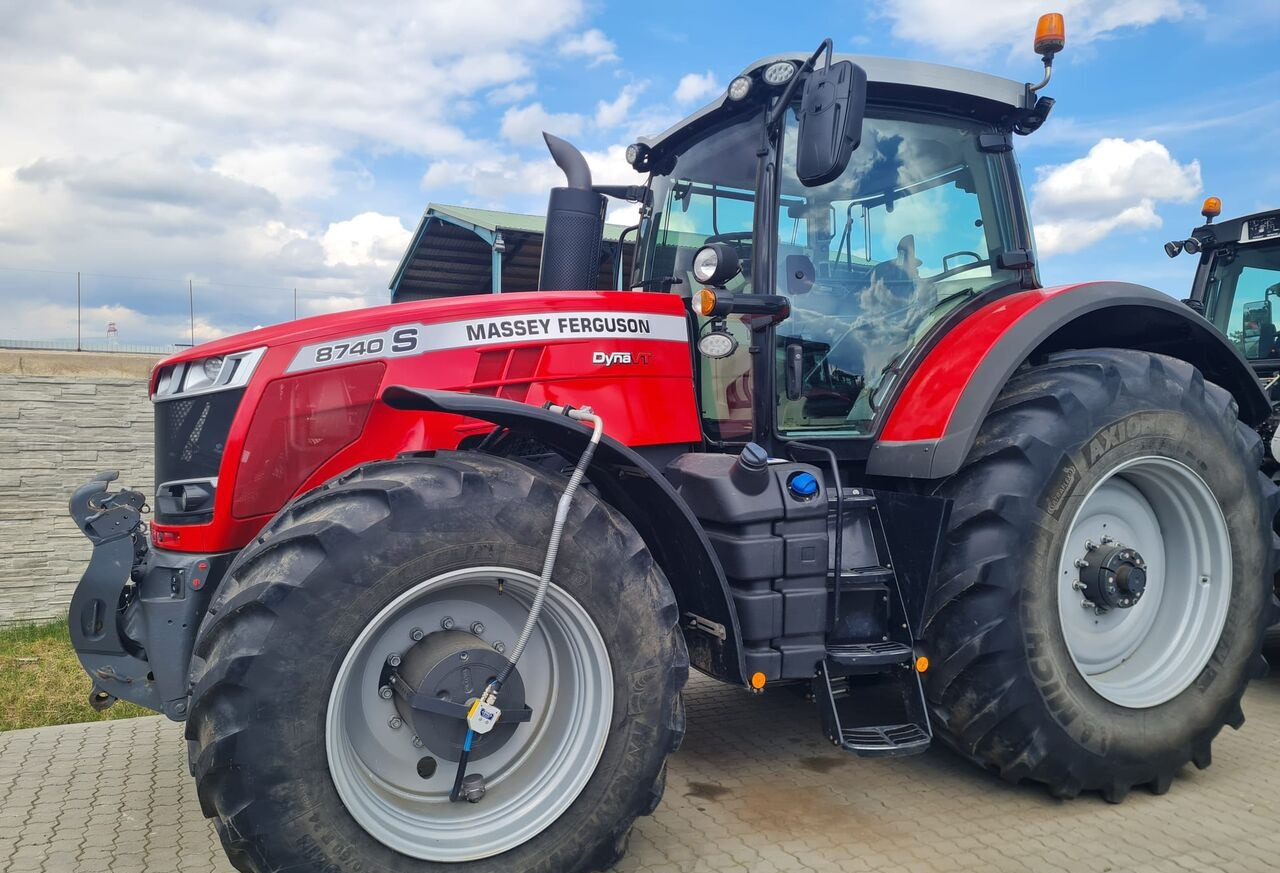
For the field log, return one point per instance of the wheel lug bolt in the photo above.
(499, 647)
(416, 634)
(393, 659)
(477, 628)
(464, 656)
(1090, 546)
(446, 623)
(417, 742)
(385, 692)
(395, 723)
(1081, 563)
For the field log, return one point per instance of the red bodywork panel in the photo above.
(927, 402)
(625, 354)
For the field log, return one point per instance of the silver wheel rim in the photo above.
(531, 779)
(1149, 653)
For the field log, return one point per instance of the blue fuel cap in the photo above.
(802, 485)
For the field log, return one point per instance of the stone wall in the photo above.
(64, 416)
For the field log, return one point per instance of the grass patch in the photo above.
(42, 682)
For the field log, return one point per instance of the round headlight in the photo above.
(739, 88)
(1191, 246)
(705, 264)
(633, 153)
(212, 367)
(715, 264)
(717, 344)
(779, 73)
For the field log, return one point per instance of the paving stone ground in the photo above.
(755, 788)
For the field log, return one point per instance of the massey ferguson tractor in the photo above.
(424, 581)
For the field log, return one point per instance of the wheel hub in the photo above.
(1112, 575)
(436, 683)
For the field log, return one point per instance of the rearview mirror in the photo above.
(831, 110)
(1256, 314)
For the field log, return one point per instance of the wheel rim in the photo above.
(1144, 655)
(532, 778)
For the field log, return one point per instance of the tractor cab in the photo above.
(1237, 282)
(857, 263)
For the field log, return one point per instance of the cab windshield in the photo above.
(870, 261)
(1242, 298)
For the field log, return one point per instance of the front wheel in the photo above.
(419, 573)
(1105, 580)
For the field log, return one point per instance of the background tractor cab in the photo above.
(1237, 282)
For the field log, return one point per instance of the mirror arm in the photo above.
(780, 108)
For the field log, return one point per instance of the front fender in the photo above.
(637, 489)
(936, 416)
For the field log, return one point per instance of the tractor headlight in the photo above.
(779, 73)
(715, 264)
(203, 375)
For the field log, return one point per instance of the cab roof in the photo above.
(898, 81)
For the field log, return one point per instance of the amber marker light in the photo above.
(922, 664)
(1051, 34)
(705, 301)
(757, 681)
(1212, 207)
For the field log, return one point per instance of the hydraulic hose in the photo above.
(490, 695)
(557, 531)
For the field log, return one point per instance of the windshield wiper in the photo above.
(663, 283)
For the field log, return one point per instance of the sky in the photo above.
(215, 157)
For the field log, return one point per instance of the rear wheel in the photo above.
(1104, 585)
(424, 569)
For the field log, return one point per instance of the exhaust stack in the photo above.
(575, 225)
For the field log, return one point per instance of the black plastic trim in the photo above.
(638, 490)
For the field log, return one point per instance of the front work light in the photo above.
(715, 264)
(1173, 248)
(779, 73)
(739, 88)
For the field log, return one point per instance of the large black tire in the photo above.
(295, 599)
(1003, 689)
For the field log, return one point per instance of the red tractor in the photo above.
(425, 580)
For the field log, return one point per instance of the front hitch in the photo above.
(113, 523)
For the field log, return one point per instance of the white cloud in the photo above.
(592, 45)
(513, 92)
(526, 124)
(290, 172)
(368, 239)
(1114, 187)
(611, 113)
(212, 141)
(965, 30)
(496, 180)
(694, 87)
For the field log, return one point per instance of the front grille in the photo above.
(191, 434)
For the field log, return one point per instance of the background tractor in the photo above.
(424, 581)
(1237, 288)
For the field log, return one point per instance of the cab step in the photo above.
(869, 657)
(875, 715)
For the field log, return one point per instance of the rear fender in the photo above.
(637, 489)
(936, 416)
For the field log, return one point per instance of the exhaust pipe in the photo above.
(575, 225)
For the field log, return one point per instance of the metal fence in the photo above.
(63, 309)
